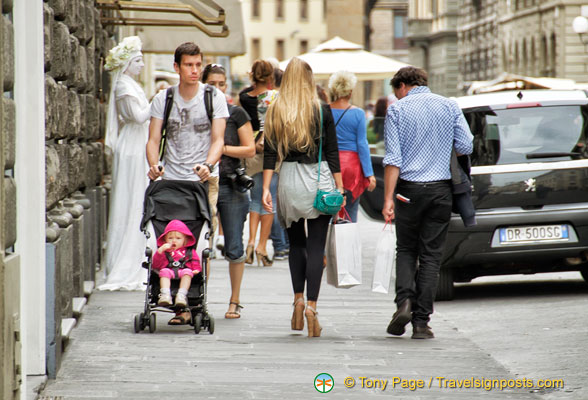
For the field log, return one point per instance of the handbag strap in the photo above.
(337, 123)
(320, 143)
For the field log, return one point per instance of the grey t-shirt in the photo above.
(188, 131)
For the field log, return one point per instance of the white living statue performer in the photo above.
(127, 131)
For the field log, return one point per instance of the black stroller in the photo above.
(187, 201)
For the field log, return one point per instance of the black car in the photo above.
(530, 188)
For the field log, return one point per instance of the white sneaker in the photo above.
(181, 300)
(220, 243)
(165, 300)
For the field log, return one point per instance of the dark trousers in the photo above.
(306, 254)
(421, 230)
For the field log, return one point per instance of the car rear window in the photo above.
(523, 135)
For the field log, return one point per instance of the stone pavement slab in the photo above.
(258, 356)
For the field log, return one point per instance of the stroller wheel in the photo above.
(210, 324)
(197, 323)
(138, 323)
(152, 322)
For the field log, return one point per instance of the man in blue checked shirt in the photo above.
(420, 131)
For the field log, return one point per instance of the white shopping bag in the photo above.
(343, 255)
(385, 261)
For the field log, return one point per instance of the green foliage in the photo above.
(372, 137)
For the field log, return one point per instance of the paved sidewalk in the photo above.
(258, 356)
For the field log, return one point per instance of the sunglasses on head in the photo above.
(211, 66)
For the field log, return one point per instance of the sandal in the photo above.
(234, 314)
(314, 328)
(298, 315)
(180, 319)
(263, 259)
(249, 254)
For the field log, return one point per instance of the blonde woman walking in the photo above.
(292, 134)
(354, 151)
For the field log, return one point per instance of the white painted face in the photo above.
(135, 66)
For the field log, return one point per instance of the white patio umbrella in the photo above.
(338, 54)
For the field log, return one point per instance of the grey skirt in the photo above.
(297, 188)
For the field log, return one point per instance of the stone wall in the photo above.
(11, 368)
(75, 45)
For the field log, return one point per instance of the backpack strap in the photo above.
(208, 93)
(169, 101)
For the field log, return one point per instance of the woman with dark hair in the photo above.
(380, 117)
(233, 200)
(255, 101)
(293, 130)
(322, 94)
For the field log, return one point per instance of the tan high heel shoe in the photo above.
(249, 254)
(263, 258)
(298, 315)
(314, 328)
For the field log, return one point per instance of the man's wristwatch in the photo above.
(209, 166)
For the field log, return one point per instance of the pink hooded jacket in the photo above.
(160, 260)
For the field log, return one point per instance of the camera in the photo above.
(240, 181)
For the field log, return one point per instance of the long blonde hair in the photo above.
(290, 120)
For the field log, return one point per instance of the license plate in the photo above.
(534, 234)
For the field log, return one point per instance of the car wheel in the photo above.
(445, 289)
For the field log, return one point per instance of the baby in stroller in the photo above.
(176, 212)
(175, 258)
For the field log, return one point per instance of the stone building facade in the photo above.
(479, 47)
(345, 19)
(10, 339)
(388, 29)
(279, 29)
(531, 38)
(388, 37)
(52, 199)
(75, 44)
(432, 36)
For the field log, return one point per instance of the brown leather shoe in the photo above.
(401, 317)
(422, 332)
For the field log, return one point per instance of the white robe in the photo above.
(126, 243)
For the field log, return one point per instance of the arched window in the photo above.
(544, 66)
(553, 55)
(524, 66)
(533, 59)
(517, 65)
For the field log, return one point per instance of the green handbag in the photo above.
(326, 202)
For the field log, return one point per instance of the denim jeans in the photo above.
(278, 236)
(233, 208)
(421, 230)
(257, 193)
(352, 207)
